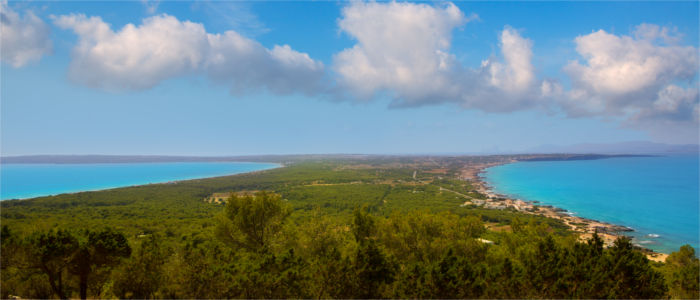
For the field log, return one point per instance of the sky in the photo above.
(250, 78)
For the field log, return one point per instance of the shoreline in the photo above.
(173, 181)
(585, 227)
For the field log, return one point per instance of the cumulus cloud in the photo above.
(517, 73)
(672, 103)
(621, 65)
(635, 77)
(403, 49)
(135, 57)
(673, 117)
(509, 83)
(645, 79)
(24, 39)
(163, 47)
(245, 65)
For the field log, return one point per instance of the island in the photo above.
(326, 226)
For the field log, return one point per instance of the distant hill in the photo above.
(634, 147)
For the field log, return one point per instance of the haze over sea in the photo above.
(656, 196)
(18, 181)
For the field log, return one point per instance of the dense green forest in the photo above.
(354, 228)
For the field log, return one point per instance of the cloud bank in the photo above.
(646, 79)
(403, 50)
(24, 39)
(627, 72)
(163, 47)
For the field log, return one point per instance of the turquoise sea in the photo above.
(18, 181)
(656, 196)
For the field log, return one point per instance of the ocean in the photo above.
(19, 181)
(656, 196)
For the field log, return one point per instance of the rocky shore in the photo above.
(585, 227)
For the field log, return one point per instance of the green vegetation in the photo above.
(252, 222)
(362, 228)
(682, 271)
(61, 255)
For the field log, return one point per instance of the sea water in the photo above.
(656, 196)
(18, 181)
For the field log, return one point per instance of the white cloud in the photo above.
(403, 49)
(633, 77)
(621, 65)
(638, 80)
(245, 64)
(517, 73)
(135, 57)
(23, 39)
(673, 117)
(673, 103)
(163, 47)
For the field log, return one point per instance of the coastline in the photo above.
(173, 181)
(585, 227)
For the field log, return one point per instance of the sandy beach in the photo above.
(583, 226)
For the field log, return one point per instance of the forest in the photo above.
(318, 228)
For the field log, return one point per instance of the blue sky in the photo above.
(235, 78)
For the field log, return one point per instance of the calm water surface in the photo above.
(18, 181)
(657, 196)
